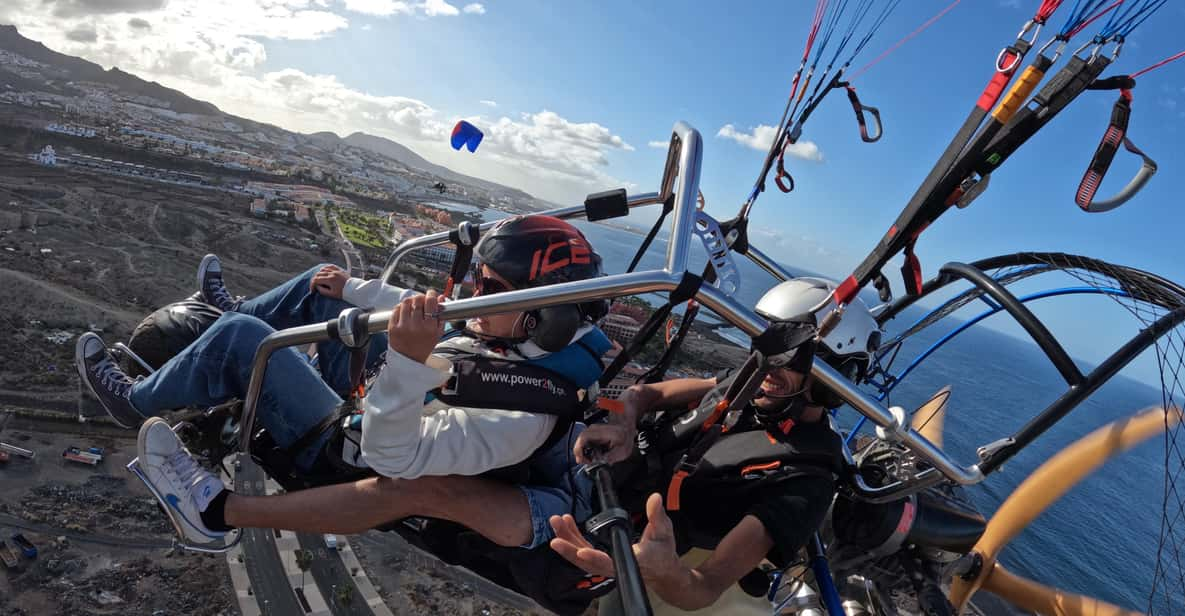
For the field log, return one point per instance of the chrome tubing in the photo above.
(686, 192)
(869, 407)
(305, 334)
(774, 268)
(440, 239)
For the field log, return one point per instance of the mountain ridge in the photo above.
(84, 70)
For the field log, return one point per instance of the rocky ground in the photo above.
(101, 252)
(104, 547)
(68, 579)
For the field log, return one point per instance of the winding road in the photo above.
(269, 580)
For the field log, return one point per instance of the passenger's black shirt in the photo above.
(790, 509)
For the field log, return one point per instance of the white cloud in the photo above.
(761, 137)
(489, 103)
(475, 8)
(658, 145)
(556, 145)
(432, 8)
(367, 27)
(427, 8)
(1010, 4)
(381, 8)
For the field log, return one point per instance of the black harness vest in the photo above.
(679, 452)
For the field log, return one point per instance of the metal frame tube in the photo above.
(440, 239)
(871, 408)
(1025, 317)
(763, 261)
(686, 192)
(1077, 393)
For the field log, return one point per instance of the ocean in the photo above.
(1102, 538)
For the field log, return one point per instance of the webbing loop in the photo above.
(1096, 171)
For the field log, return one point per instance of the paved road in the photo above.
(355, 265)
(329, 572)
(54, 531)
(269, 581)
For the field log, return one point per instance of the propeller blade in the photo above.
(1053, 479)
(1038, 598)
(930, 417)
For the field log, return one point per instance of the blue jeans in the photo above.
(296, 396)
(558, 485)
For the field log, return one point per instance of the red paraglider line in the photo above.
(1158, 64)
(905, 40)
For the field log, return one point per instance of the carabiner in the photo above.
(1098, 45)
(1015, 48)
(1057, 53)
(1118, 47)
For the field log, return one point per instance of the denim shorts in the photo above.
(559, 485)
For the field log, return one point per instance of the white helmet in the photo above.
(849, 346)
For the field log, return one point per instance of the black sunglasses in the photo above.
(489, 286)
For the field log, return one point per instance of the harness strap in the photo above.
(686, 290)
(463, 239)
(1100, 163)
(357, 374)
(911, 270)
(673, 343)
(1063, 88)
(311, 436)
(918, 212)
(689, 463)
(668, 206)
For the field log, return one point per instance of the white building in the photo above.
(47, 156)
(620, 328)
(70, 129)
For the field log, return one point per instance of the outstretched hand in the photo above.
(414, 328)
(329, 281)
(655, 551)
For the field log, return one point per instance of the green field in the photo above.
(361, 236)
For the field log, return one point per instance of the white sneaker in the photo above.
(181, 485)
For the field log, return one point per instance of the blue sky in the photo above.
(574, 94)
(637, 69)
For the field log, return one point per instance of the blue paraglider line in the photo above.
(961, 328)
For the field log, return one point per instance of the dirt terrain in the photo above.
(99, 252)
(104, 547)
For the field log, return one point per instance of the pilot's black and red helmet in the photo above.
(532, 251)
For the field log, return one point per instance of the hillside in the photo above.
(75, 69)
(82, 70)
(403, 154)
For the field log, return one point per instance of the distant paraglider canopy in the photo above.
(466, 134)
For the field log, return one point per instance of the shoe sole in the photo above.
(160, 498)
(80, 366)
(170, 513)
(201, 275)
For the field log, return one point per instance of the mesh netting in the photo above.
(1149, 299)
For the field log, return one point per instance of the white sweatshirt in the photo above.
(404, 438)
